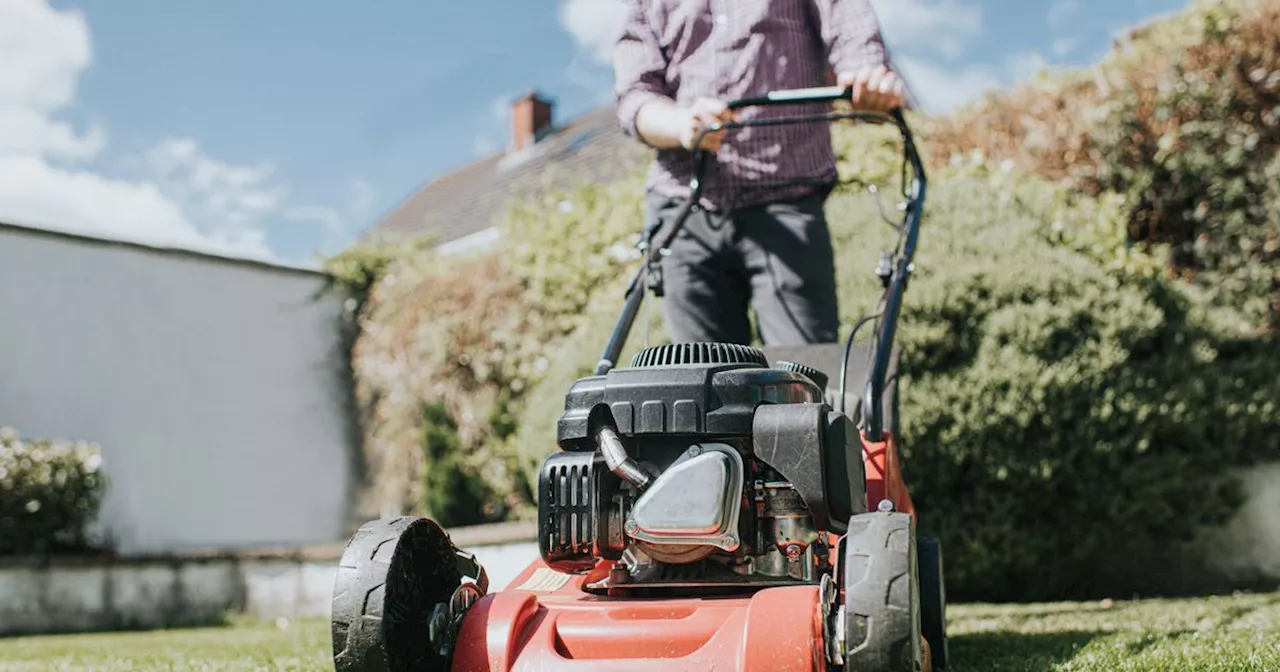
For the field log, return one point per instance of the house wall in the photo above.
(216, 388)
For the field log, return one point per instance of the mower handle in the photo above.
(819, 94)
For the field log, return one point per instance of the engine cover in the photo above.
(696, 501)
(693, 392)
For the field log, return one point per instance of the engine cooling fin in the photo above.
(699, 353)
(809, 372)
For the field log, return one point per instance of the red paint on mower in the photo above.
(775, 629)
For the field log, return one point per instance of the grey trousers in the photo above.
(775, 258)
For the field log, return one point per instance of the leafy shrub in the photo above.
(452, 493)
(453, 335)
(50, 492)
(1184, 124)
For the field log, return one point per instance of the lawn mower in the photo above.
(713, 506)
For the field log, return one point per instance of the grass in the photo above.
(1214, 634)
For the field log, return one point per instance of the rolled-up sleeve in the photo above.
(639, 67)
(851, 33)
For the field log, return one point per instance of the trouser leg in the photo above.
(786, 248)
(705, 284)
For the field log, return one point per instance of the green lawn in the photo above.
(1200, 635)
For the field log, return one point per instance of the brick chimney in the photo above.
(530, 118)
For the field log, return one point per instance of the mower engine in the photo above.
(699, 467)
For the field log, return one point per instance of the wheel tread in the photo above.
(881, 608)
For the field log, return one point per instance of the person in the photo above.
(760, 238)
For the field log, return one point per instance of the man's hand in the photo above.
(664, 125)
(876, 89)
(704, 114)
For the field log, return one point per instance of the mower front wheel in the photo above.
(392, 576)
(882, 594)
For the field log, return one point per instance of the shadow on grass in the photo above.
(1015, 652)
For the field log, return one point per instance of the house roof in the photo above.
(468, 200)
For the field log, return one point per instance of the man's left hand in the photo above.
(877, 89)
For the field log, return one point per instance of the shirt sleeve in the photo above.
(639, 67)
(851, 33)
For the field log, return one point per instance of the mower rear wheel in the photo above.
(392, 575)
(881, 594)
(933, 601)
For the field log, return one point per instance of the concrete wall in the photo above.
(1248, 549)
(216, 388)
(142, 593)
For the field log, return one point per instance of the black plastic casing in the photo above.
(776, 416)
(693, 400)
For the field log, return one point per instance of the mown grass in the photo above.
(1215, 634)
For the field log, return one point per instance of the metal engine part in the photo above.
(580, 512)
(790, 541)
(693, 508)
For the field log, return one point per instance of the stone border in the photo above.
(84, 593)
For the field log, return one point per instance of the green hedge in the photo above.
(1183, 123)
(50, 492)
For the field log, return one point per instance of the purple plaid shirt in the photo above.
(728, 49)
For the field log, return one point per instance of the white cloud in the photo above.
(1060, 11)
(1024, 66)
(594, 25)
(212, 190)
(28, 132)
(35, 193)
(944, 26)
(1063, 46)
(44, 53)
(182, 198)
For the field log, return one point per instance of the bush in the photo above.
(455, 336)
(1184, 124)
(453, 492)
(1067, 428)
(50, 492)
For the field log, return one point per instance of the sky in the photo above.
(282, 130)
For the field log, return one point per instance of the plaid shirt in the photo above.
(727, 49)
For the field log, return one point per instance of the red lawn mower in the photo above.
(709, 509)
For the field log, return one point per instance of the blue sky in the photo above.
(283, 129)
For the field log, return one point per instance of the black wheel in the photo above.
(392, 575)
(933, 601)
(881, 594)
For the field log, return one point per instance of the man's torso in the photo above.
(730, 49)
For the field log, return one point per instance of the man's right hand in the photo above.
(664, 125)
(705, 113)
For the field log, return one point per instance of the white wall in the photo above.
(215, 387)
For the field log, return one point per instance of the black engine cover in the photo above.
(701, 399)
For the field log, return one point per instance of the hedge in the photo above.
(50, 492)
(1183, 122)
